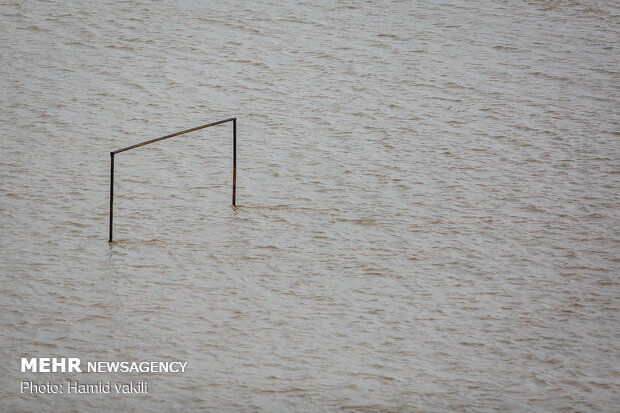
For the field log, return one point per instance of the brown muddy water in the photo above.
(428, 199)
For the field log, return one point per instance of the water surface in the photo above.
(428, 201)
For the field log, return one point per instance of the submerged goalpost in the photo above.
(219, 122)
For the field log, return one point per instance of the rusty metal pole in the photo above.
(234, 162)
(111, 193)
(219, 122)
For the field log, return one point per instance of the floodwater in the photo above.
(428, 203)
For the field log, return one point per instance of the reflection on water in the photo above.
(428, 203)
